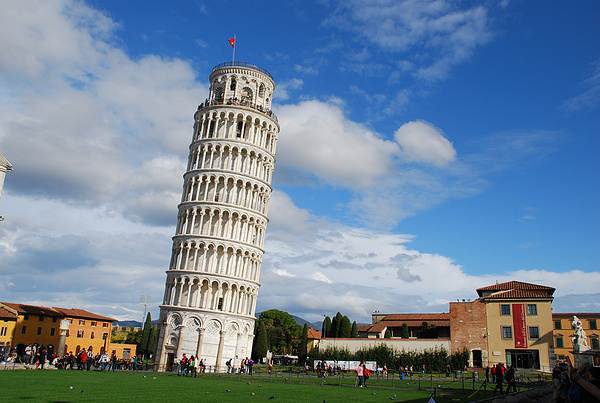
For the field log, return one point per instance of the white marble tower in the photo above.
(212, 282)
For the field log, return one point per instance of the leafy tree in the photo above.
(354, 330)
(345, 327)
(388, 334)
(326, 326)
(405, 334)
(283, 333)
(302, 349)
(260, 347)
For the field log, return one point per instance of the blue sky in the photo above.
(427, 148)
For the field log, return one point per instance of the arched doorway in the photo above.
(477, 359)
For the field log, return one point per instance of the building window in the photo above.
(3, 331)
(105, 324)
(92, 335)
(68, 333)
(54, 319)
(41, 318)
(532, 309)
(595, 343)
(505, 309)
(104, 336)
(26, 316)
(593, 325)
(24, 330)
(534, 332)
(506, 332)
(81, 322)
(559, 342)
(93, 324)
(52, 331)
(39, 330)
(80, 333)
(558, 324)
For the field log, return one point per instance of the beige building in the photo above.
(519, 324)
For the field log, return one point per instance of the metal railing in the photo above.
(242, 64)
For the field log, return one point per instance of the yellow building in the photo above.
(86, 330)
(29, 324)
(34, 324)
(563, 331)
(519, 324)
(8, 323)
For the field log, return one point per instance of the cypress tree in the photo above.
(326, 327)
(338, 325)
(152, 340)
(302, 349)
(354, 330)
(334, 327)
(405, 334)
(345, 327)
(144, 346)
(388, 334)
(260, 347)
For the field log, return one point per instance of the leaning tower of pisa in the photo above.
(212, 282)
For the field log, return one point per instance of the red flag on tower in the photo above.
(232, 42)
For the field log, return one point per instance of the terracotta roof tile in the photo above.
(314, 335)
(32, 309)
(512, 294)
(514, 285)
(5, 314)
(81, 313)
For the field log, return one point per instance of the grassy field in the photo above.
(80, 386)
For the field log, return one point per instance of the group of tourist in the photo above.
(190, 366)
(500, 374)
(38, 355)
(86, 360)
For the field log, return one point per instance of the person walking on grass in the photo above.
(360, 372)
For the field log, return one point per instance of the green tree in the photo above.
(152, 340)
(388, 334)
(302, 349)
(326, 326)
(283, 333)
(260, 347)
(405, 334)
(144, 347)
(336, 325)
(345, 327)
(354, 330)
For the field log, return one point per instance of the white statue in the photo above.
(579, 338)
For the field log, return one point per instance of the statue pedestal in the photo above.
(583, 358)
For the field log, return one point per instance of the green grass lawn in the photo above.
(55, 386)
(76, 386)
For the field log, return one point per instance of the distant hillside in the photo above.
(315, 325)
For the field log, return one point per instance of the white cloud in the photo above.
(82, 121)
(422, 142)
(321, 142)
(435, 34)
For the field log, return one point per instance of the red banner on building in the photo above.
(519, 325)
